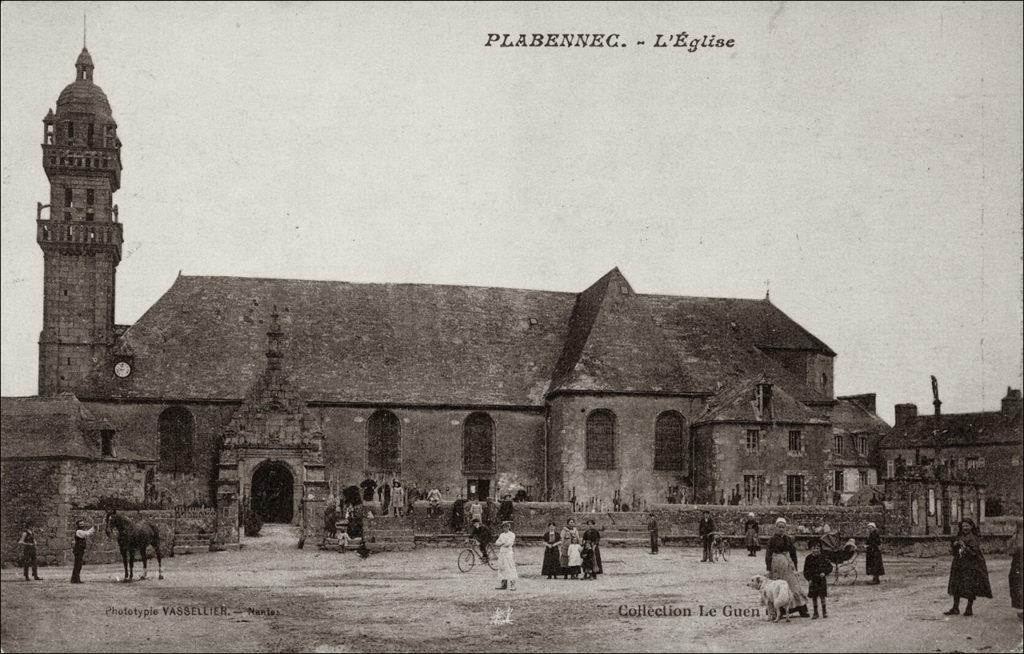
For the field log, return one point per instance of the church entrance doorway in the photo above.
(272, 492)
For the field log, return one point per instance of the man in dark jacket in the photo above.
(873, 560)
(706, 529)
(652, 527)
(81, 536)
(482, 535)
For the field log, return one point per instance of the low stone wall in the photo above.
(527, 517)
(682, 519)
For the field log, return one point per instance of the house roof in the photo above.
(983, 428)
(54, 427)
(738, 403)
(850, 417)
(451, 345)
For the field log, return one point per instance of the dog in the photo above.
(775, 596)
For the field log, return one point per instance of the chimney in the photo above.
(1012, 403)
(905, 414)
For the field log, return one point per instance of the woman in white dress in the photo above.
(506, 557)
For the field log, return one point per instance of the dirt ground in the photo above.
(308, 600)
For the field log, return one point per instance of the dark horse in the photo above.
(132, 537)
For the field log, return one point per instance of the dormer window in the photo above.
(107, 443)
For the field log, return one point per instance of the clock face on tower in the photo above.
(122, 369)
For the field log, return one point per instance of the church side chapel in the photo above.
(276, 393)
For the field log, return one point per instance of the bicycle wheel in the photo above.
(467, 559)
(492, 559)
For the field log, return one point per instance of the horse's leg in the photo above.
(124, 560)
(131, 562)
(142, 551)
(159, 563)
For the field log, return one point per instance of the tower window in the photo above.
(71, 130)
(91, 134)
(68, 198)
(90, 197)
(600, 440)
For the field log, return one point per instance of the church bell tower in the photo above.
(81, 236)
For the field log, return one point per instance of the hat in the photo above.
(750, 515)
(506, 523)
(871, 525)
(780, 521)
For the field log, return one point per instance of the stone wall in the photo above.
(723, 460)
(921, 500)
(527, 517)
(31, 491)
(634, 473)
(86, 482)
(683, 519)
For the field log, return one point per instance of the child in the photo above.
(588, 560)
(816, 570)
(575, 559)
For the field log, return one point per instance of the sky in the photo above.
(861, 161)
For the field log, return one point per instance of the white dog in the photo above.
(775, 596)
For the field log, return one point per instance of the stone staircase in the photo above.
(191, 543)
(382, 535)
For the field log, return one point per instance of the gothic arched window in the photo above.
(669, 441)
(478, 444)
(601, 440)
(384, 442)
(177, 431)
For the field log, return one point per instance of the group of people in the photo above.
(27, 541)
(568, 554)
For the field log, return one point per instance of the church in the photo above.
(230, 388)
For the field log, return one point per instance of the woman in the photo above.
(780, 560)
(968, 576)
(506, 557)
(593, 536)
(752, 531)
(552, 565)
(570, 535)
(873, 563)
(1015, 575)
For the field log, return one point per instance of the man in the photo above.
(28, 551)
(706, 528)
(506, 508)
(81, 536)
(482, 535)
(652, 527)
(873, 565)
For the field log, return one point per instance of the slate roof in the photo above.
(849, 417)
(54, 427)
(738, 403)
(983, 428)
(447, 345)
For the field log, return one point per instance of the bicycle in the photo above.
(468, 557)
(719, 547)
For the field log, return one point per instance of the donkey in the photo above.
(132, 537)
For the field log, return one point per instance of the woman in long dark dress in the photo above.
(780, 560)
(552, 566)
(751, 533)
(593, 536)
(968, 576)
(873, 561)
(1015, 571)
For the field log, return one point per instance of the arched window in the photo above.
(601, 440)
(478, 444)
(177, 430)
(669, 441)
(384, 440)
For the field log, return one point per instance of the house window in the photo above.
(384, 442)
(862, 445)
(753, 439)
(668, 441)
(753, 488)
(796, 441)
(837, 444)
(839, 480)
(973, 463)
(177, 431)
(863, 478)
(478, 444)
(890, 469)
(794, 489)
(601, 440)
(107, 443)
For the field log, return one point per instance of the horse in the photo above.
(132, 537)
